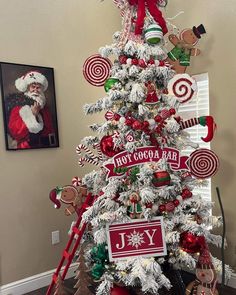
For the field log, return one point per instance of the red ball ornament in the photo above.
(128, 122)
(142, 63)
(135, 61)
(158, 129)
(119, 291)
(170, 207)
(161, 178)
(151, 62)
(186, 193)
(145, 124)
(172, 111)
(149, 205)
(137, 125)
(122, 59)
(176, 202)
(162, 208)
(107, 146)
(158, 118)
(117, 117)
(191, 243)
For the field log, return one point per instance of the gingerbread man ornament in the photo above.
(179, 56)
(70, 195)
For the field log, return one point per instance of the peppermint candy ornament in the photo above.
(203, 163)
(76, 181)
(183, 87)
(96, 69)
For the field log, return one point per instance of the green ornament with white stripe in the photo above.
(153, 34)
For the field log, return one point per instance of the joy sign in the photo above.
(136, 238)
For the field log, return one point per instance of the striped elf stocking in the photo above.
(203, 121)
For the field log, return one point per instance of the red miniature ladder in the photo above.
(66, 255)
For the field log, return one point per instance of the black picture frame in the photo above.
(24, 129)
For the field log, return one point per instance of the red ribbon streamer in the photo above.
(141, 13)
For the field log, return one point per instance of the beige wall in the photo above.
(62, 34)
(59, 34)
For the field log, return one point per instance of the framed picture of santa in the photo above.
(29, 106)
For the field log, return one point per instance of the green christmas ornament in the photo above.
(153, 34)
(97, 271)
(110, 82)
(99, 253)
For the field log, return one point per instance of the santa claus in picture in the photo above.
(29, 119)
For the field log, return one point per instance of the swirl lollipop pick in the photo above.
(203, 163)
(96, 69)
(183, 87)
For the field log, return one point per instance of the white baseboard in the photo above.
(43, 279)
(33, 283)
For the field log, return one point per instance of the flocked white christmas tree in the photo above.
(141, 173)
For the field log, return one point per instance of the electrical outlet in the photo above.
(55, 237)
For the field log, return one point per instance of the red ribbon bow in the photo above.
(154, 11)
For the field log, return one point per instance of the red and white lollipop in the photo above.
(183, 87)
(96, 69)
(203, 163)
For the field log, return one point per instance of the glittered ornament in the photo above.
(186, 193)
(162, 208)
(191, 243)
(153, 34)
(107, 146)
(109, 84)
(116, 290)
(161, 178)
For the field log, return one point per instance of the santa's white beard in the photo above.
(38, 97)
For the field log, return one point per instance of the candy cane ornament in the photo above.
(203, 121)
(89, 157)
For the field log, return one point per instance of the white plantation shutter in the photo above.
(197, 107)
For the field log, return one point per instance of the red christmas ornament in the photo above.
(176, 202)
(172, 111)
(145, 124)
(122, 59)
(142, 63)
(149, 205)
(170, 206)
(161, 178)
(191, 243)
(107, 146)
(186, 193)
(158, 118)
(117, 117)
(162, 208)
(137, 125)
(135, 61)
(119, 291)
(151, 62)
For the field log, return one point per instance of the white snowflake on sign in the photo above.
(135, 239)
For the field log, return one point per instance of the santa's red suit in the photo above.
(30, 131)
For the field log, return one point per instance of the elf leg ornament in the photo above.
(203, 121)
